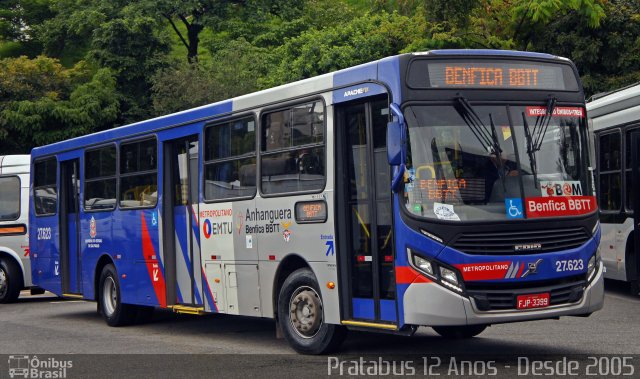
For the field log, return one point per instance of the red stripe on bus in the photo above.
(153, 266)
(407, 275)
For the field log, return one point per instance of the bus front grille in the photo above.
(521, 242)
(489, 297)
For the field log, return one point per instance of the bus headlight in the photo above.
(423, 264)
(448, 275)
(445, 276)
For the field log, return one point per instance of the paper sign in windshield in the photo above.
(561, 188)
(445, 212)
(557, 112)
(559, 206)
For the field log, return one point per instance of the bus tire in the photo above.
(459, 332)
(10, 281)
(114, 312)
(301, 316)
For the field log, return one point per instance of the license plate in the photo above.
(538, 300)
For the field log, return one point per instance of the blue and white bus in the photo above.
(15, 266)
(615, 119)
(448, 189)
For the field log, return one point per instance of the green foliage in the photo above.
(42, 102)
(234, 71)
(17, 20)
(112, 62)
(608, 57)
(317, 52)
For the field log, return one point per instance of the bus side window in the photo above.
(138, 174)
(230, 159)
(100, 178)
(292, 149)
(45, 190)
(609, 169)
(9, 198)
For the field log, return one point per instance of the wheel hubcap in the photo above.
(305, 311)
(3, 283)
(109, 296)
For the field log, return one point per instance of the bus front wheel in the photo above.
(459, 332)
(115, 313)
(301, 316)
(10, 281)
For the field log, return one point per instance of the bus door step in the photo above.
(73, 296)
(184, 309)
(369, 325)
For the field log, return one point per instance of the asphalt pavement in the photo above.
(48, 326)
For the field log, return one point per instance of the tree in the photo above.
(188, 18)
(363, 39)
(110, 34)
(17, 20)
(607, 57)
(42, 102)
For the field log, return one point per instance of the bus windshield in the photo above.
(496, 162)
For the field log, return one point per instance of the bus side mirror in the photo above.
(395, 148)
(394, 143)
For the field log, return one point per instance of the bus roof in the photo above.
(364, 72)
(624, 98)
(14, 164)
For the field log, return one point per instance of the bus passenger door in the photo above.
(70, 264)
(365, 240)
(183, 266)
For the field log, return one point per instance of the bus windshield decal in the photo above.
(560, 206)
(557, 112)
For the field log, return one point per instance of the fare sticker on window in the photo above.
(561, 188)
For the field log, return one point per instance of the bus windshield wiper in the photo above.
(487, 138)
(535, 137)
(531, 151)
(543, 124)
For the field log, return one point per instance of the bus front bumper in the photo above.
(430, 304)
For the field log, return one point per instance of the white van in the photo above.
(15, 267)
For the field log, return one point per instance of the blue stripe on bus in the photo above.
(143, 127)
(363, 308)
(388, 310)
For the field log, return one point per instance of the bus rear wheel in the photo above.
(114, 312)
(301, 316)
(10, 281)
(459, 332)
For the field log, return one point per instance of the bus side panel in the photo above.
(283, 235)
(613, 248)
(141, 273)
(44, 237)
(93, 247)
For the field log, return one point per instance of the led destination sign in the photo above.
(493, 74)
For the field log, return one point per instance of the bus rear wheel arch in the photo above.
(114, 312)
(301, 315)
(10, 280)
